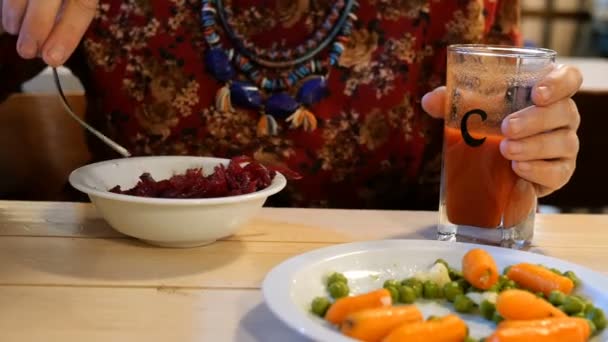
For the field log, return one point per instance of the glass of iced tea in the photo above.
(482, 199)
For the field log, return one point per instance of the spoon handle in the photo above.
(116, 147)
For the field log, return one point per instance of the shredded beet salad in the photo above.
(224, 181)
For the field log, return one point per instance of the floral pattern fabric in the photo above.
(374, 147)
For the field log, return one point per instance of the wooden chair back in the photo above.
(39, 146)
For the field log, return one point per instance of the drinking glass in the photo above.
(482, 199)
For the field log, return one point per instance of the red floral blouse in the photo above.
(142, 63)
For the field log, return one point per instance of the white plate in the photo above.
(291, 286)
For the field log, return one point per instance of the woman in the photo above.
(335, 90)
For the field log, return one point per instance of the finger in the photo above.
(12, 15)
(559, 144)
(434, 103)
(72, 25)
(535, 120)
(563, 82)
(552, 174)
(37, 25)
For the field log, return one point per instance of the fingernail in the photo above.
(524, 166)
(429, 94)
(515, 147)
(426, 105)
(27, 47)
(56, 54)
(426, 96)
(515, 125)
(543, 93)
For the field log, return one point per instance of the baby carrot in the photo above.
(545, 322)
(539, 279)
(566, 329)
(523, 305)
(346, 305)
(479, 269)
(445, 329)
(372, 325)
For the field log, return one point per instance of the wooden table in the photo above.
(66, 276)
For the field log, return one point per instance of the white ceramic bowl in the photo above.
(167, 222)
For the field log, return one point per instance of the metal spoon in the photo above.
(115, 146)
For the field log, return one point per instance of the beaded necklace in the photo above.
(301, 72)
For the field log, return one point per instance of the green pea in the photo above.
(579, 315)
(557, 298)
(391, 283)
(418, 289)
(497, 318)
(464, 284)
(509, 284)
(588, 308)
(598, 318)
(432, 290)
(451, 290)
(338, 289)
(394, 293)
(506, 270)
(410, 282)
(407, 295)
(415, 284)
(455, 274)
(583, 299)
(573, 305)
(319, 306)
(495, 288)
(556, 271)
(463, 304)
(573, 277)
(474, 289)
(441, 261)
(540, 295)
(487, 309)
(592, 327)
(502, 281)
(562, 308)
(336, 277)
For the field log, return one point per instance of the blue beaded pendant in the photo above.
(218, 64)
(244, 94)
(294, 109)
(281, 105)
(312, 91)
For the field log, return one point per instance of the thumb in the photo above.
(434, 103)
